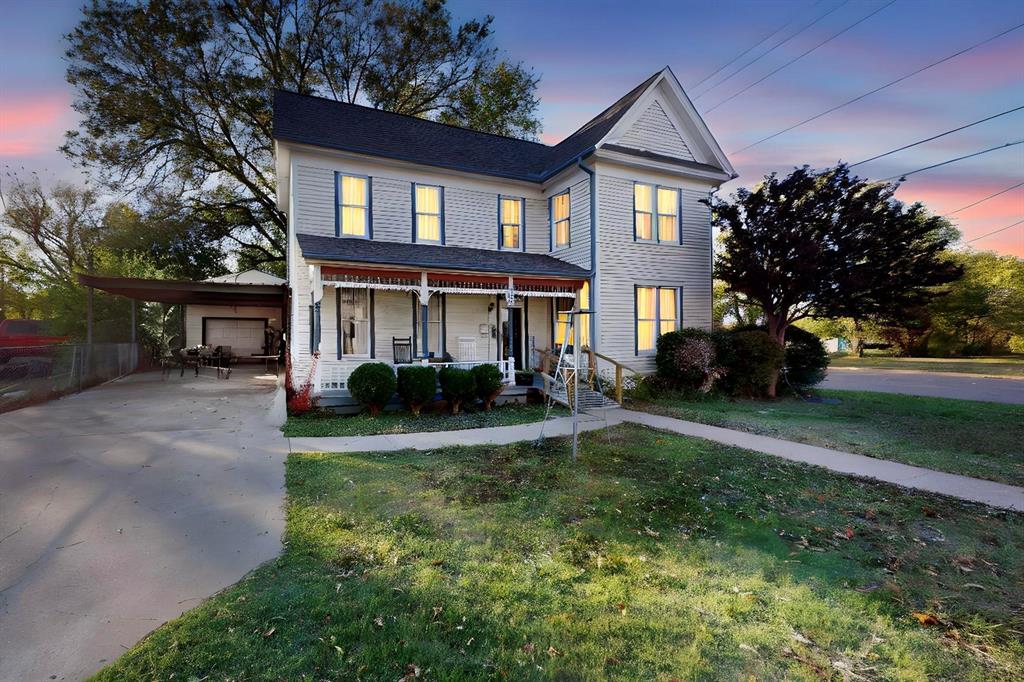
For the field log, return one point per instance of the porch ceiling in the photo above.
(177, 291)
(436, 258)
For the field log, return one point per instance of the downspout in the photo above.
(592, 274)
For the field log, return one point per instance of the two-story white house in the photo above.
(409, 239)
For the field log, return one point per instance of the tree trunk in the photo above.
(777, 330)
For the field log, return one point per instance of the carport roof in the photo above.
(184, 291)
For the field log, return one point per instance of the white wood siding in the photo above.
(578, 251)
(624, 263)
(654, 132)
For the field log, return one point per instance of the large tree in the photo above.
(829, 244)
(176, 94)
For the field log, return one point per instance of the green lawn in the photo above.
(984, 440)
(996, 367)
(405, 422)
(653, 557)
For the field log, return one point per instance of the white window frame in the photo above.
(653, 211)
(340, 205)
(553, 224)
(658, 317)
(416, 213)
(502, 224)
(367, 322)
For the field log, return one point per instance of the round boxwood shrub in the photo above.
(806, 359)
(688, 359)
(489, 383)
(417, 386)
(372, 384)
(758, 360)
(457, 386)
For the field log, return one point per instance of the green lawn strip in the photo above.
(404, 422)
(976, 439)
(653, 557)
(996, 367)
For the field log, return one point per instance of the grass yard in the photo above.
(983, 440)
(995, 367)
(404, 422)
(653, 557)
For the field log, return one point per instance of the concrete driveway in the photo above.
(933, 384)
(123, 506)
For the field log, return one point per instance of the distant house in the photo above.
(412, 240)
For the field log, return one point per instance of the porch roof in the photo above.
(178, 291)
(457, 258)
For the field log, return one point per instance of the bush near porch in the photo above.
(653, 557)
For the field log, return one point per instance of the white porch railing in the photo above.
(334, 376)
(507, 367)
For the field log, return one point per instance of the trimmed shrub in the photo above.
(758, 360)
(457, 386)
(372, 384)
(687, 359)
(806, 359)
(489, 383)
(417, 386)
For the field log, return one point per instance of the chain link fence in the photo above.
(34, 374)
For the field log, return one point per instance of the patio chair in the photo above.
(401, 347)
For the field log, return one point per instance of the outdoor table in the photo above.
(266, 362)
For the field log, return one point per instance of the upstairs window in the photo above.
(428, 213)
(353, 209)
(655, 213)
(560, 220)
(510, 223)
(657, 313)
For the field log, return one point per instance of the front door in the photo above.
(512, 331)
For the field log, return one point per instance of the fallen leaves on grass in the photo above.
(926, 619)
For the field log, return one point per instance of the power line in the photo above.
(732, 61)
(959, 158)
(935, 137)
(770, 50)
(796, 59)
(981, 201)
(989, 234)
(878, 89)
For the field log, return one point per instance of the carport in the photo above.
(227, 311)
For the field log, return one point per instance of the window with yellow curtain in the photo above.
(657, 313)
(511, 216)
(582, 323)
(560, 219)
(668, 214)
(353, 207)
(428, 213)
(643, 213)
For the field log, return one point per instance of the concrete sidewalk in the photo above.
(962, 487)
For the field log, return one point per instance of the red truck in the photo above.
(25, 338)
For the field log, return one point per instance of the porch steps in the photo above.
(589, 399)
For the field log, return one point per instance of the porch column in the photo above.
(316, 295)
(424, 297)
(509, 299)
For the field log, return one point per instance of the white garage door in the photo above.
(244, 336)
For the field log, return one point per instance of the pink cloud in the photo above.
(33, 125)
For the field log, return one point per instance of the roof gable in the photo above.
(663, 121)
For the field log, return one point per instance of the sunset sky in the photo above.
(590, 53)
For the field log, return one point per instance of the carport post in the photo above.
(133, 321)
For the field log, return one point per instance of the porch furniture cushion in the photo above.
(433, 256)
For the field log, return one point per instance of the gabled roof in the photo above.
(328, 123)
(315, 247)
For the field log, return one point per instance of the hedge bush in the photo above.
(687, 359)
(372, 384)
(489, 383)
(457, 386)
(806, 359)
(758, 358)
(417, 386)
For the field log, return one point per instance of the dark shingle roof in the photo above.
(350, 127)
(433, 256)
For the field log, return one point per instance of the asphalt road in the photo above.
(123, 506)
(933, 384)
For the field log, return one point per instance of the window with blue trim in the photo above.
(655, 213)
(510, 223)
(353, 206)
(657, 312)
(560, 233)
(428, 213)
